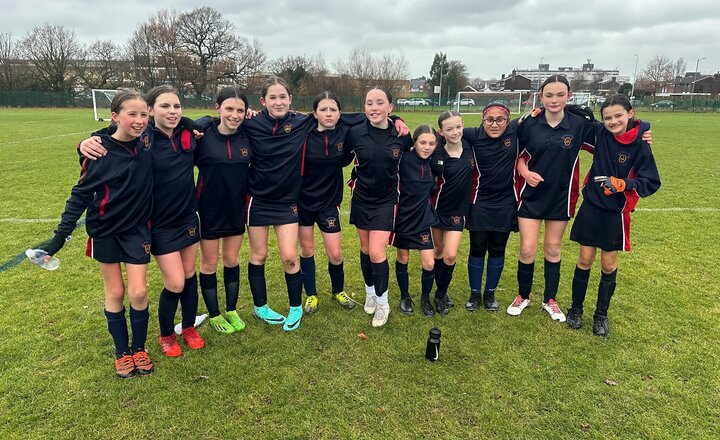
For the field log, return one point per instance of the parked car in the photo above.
(402, 101)
(662, 104)
(636, 103)
(467, 101)
(415, 102)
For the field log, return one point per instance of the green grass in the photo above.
(498, 376)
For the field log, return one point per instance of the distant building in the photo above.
(585, 74)
(419, 84)
(703, 84)
(516, 81)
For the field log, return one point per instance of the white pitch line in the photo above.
(44, 137)
(678, 209)
(29, 220)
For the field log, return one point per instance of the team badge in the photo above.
(287, 128)
(425, 238)
(456, 219)
(293, 209)
(623, 157)
(146, 247)
(567, 140)
(396, 152)
(146, 141)
(331, 222)
(507, 142)
(472, 163)
(340, 145)
(192, 230)
(245, 151)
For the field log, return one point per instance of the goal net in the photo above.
(101, 103)
(579, 98)
(473, 102)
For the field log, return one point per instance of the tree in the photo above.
(367, 71)
(53, 52)
(657, 73)
(439, 66)
(625, 89)
(249, 61)
(209, 39)
(11, 67)
(679, 67)
(456, 78)
(105, 67)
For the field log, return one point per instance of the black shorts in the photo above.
(419, 240)
(127, 247)
(168, 239)
(328, 219)
(497, 218)
(373, 218)
(264, 213)
(609, 231)
(450, 222)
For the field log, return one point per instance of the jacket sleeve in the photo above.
(80, 196)
(352, 119)
(646, 178)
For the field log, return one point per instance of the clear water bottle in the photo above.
(199, 319)
(40, 258)
(432, 351)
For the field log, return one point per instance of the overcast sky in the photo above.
(491, 38)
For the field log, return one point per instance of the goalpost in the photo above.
(101, 103)
(518, 101)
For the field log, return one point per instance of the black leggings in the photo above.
(492, 242)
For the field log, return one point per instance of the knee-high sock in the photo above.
(139, 325)
(446, 274)
(606, 289)
(258, 288)
(294, 288)
(367, 269)
(231, 278)
(525, 278)
(189, 301)
(552, 280)
(381, 273)
(579, 287)
(401, 274)
(117, 326)
(208, 287)
(475, 274)
(307, 267)
(438, 270)
(337, 277)
(494, 271)
(427, 280)
(167, 306)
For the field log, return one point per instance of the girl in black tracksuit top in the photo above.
(115, 191)
(377, 151)
(623, 170)
(493, 200)
(223, 159)
(415, 218)
(321, 193)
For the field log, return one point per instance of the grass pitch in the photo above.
(655, 376)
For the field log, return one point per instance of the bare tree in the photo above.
(155, 52)
(53, 52)
(367, 71)
(679, 67)
(11, 67)
(249, 60)
(306, 76)
(209, 39)
(658, 72)
(105, 66)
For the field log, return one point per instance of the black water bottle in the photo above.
(432, 351)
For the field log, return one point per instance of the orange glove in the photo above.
(612, 185)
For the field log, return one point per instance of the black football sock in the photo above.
(381, 275)
(579, 287)
(401, 275)
(231, 278)
(367, 268)
(208, 287)
(294, 288)
(189, 301)
(139, 324)
(117, 326)
(167, 306)
(552, 280)
(258, 288)
(525, 278)
(337, 277)
(307, 268)
(606, 289)
(427, 280)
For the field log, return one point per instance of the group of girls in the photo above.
(491, 180)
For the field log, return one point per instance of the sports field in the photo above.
(498, 376)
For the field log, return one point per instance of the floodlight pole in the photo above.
(440, 91)
(632, 89)
(692, 91)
